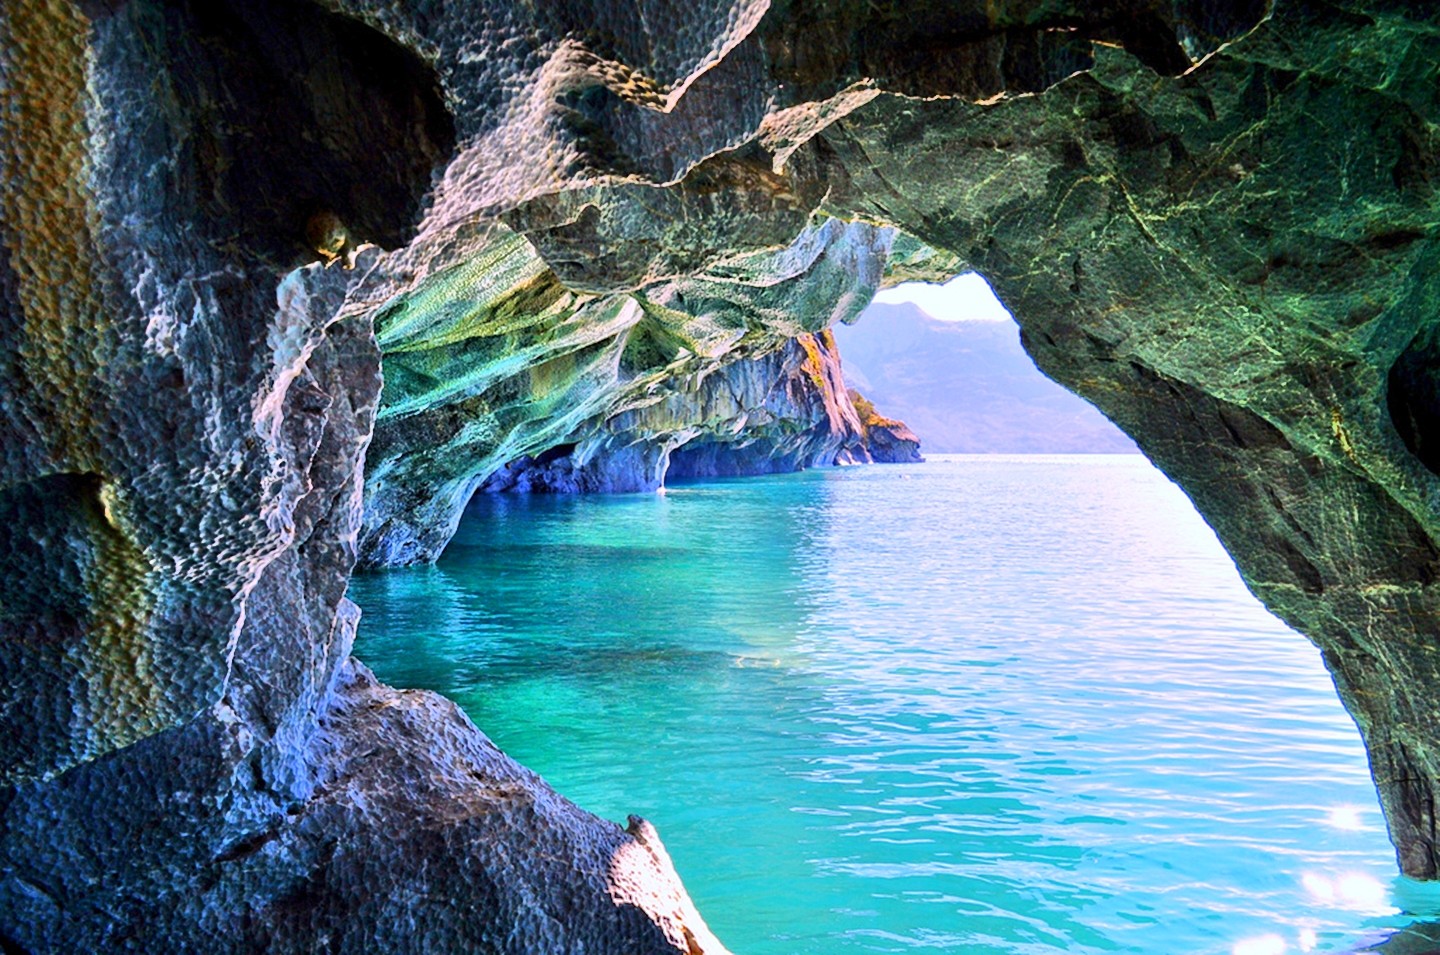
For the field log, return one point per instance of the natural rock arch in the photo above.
(1212, 220)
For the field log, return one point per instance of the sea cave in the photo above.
(284, 284)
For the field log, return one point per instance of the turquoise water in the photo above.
(982, 705)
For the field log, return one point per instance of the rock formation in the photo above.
(887, 440)
(519, 367)
(1213, 218)
(783, 411)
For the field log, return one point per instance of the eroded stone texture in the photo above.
(413, 834)
(784, 411)
(189, 761)
(1232, 256)
(793, 415)
(887, 439)
(497, 359)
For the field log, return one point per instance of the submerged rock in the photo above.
(1214, 220)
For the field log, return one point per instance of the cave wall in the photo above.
(1213, 219)
(504, 361)
(785, 410)
(1237, 267)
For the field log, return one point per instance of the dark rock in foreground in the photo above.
(414, 834)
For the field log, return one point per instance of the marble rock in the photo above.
(1213, 218)
(886, 439)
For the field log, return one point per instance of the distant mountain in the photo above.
(966, 386)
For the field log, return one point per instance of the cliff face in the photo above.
(783, 411)
(886, 439)
(1214, 220)
(504, 362)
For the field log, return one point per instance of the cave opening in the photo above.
(947, 359)
(1413, 398)
(922, 676)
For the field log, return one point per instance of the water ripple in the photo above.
(981, 705)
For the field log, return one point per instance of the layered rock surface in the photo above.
(505, 363)
(784, 411)
(1213, 219)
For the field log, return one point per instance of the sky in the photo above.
(965, 298)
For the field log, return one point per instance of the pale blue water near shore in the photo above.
(983, 705)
